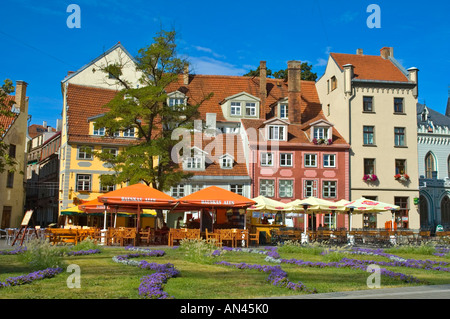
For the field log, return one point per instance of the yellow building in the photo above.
(85, 92)
(12, 191)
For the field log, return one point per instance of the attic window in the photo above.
(277, 132)
(321, 132)
(195, 160)
(333, 83)
(226, 162)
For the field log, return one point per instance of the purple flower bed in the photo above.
(277, 276)
(84, 252)
(16, 251)
(152, 286)
(26, 279)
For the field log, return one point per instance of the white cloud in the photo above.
(321, 62)
(208, 50)
(211, 66)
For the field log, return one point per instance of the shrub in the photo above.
(197, 250)
(41, 255)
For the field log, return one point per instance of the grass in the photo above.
(201, 278)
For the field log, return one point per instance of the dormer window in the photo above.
(321, 133)
(226, 161)
(277, 132)
(241, 105)
(175, 99)
(284, 110)
(195, 160)
(129, 132)
(99, 131)
(235, 109)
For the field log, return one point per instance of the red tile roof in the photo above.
(7, 121)
(370, 67)
(37, 129)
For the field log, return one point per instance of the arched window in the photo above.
(423, 211)
(445, 210)
(429, 165)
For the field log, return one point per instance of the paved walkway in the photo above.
(417, 292)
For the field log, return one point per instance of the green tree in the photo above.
(145, 108)
(306, 74)
(6, 104)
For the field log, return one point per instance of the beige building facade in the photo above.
(372, 100)
(12, 190)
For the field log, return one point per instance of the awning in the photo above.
(264, 204)
(138, 194)
(214, 197)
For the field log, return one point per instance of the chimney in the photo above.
(413, 77)
(21, 96)
(294, 92)
(387, 52)
(348, 76)
(262, 89)
(359, 51)
(44, 124)
(186, 74)
(211, 125)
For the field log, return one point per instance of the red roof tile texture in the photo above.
(7, 121)
(370, 67)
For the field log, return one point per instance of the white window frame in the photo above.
(310, 188)
(331, 161)
(250, 106)
(267, 159)
(83, 155)
(309, 157)
(226, 162)
(276, 132)
(320, 132)
(286, 188)
(177, 191)
(267, 187)
(237, 189)
(175, 101)
(329, 189)
(284, 109)
(86, 182)
(234, 107)
(287, 161)
(107, 188)
(193, 163)
(110, 150)
(130, 132)
(99, 131)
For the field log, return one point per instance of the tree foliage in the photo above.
(145, 108)
(6, 104)
(306, 73)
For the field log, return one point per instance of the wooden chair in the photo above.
(227, 235)
(176, 234)
(240, 235)
(254, 237)
(192, 234)
(128, 235)
(213, 238)
(146, 236)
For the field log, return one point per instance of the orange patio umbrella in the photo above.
(138, 195)
(214, 197)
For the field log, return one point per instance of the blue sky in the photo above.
(219, 37)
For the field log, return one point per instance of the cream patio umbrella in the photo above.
(363, 205)
(264, 204)
(311, 205)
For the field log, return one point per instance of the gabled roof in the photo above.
(371, 67)
(118, 45)
(437, 118)
(224, 87)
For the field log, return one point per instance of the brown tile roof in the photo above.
(85, 102)
(370, 67)
(7, 121)
(37, 129)
(225, 86)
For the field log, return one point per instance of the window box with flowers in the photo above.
(401, 177)
(322, 141)
(370, 178)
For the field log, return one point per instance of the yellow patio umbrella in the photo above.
(363, 205)
(268, 205)
(71, 211)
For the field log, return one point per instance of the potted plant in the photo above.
(370, 177)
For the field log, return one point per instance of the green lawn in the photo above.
(102, 278)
